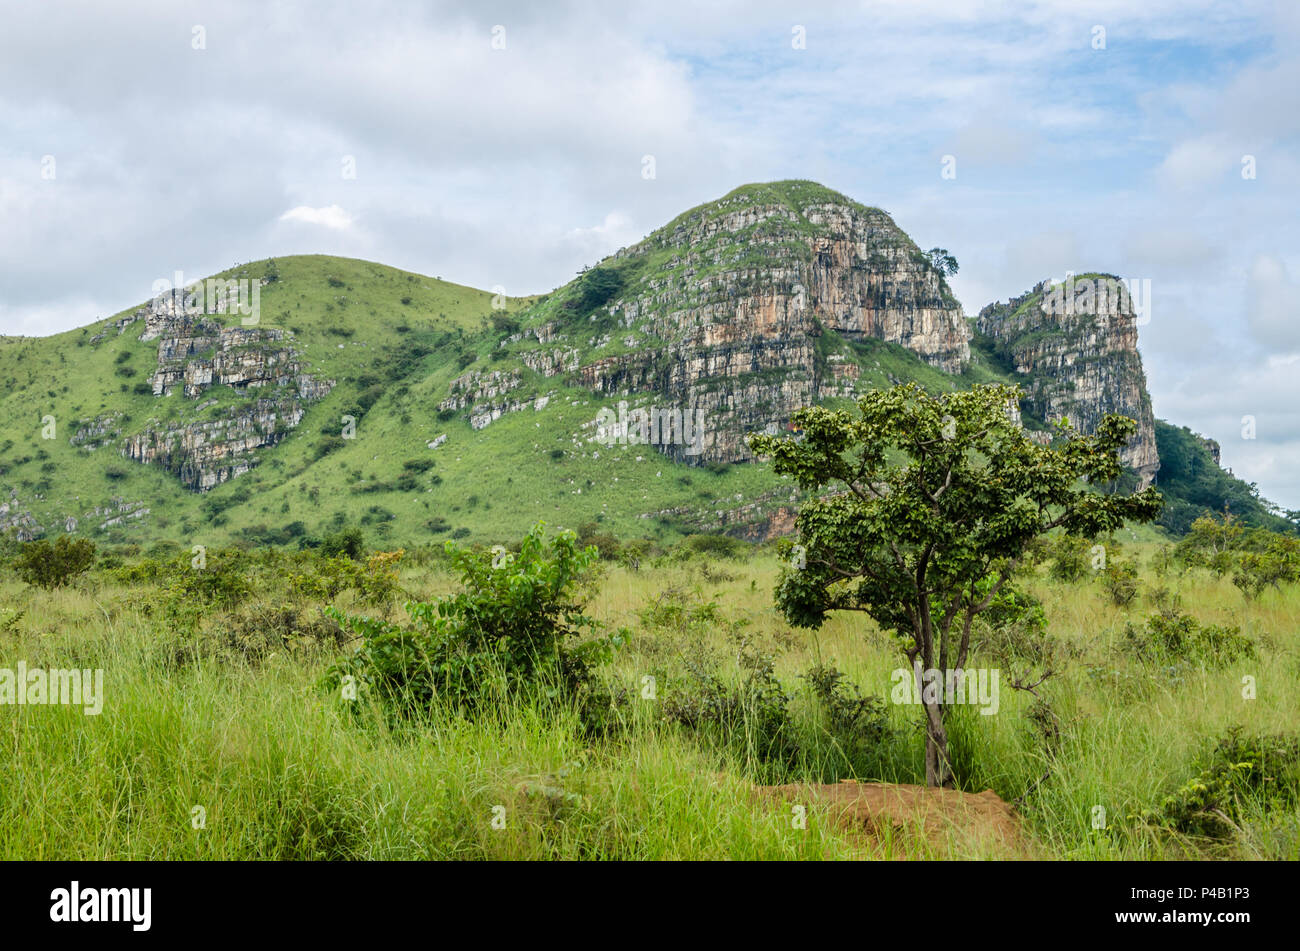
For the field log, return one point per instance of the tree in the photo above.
(925, 507)
(52, 566)
(942, 261)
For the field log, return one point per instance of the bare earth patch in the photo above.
(949, 823)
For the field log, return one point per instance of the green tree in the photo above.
(925, 506)
(944, 262)
(52, 566)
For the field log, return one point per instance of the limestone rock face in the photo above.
(720, 312)
(1080, 353)
(196, 352)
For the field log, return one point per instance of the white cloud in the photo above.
(331, 216)
(1273, 302)
(519, 166)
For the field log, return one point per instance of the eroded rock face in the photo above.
(197, 352)
(1082, 359)
(15, 517)
(725, 313)
(206, 454)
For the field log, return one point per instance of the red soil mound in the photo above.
(951, 822)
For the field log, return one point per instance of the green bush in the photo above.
(514, 626)
(858, 725)
(1070, 557)
(347, 542)
(54, 565)
(722, 546)
(1120, 579)
(752, 717)
(1172, 635)
(1238, 776)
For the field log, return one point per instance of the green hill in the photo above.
(422, 410)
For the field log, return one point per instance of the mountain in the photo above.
(286, 398)
(1075, 343)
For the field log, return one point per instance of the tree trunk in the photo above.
(938, 768)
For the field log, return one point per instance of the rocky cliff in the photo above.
(1076, 343)
(216, 439)
(719, 313)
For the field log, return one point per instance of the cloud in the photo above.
(1273, 302)
(331, 216)
(517, 166)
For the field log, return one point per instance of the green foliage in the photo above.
(858, 725)
(606, 543)
(942, 261)
(54, 565)
(1194, 485)
(752, 717)
(1240, 774)
(1276, 564)
(924, 507)
(713, 546)
(508, 630)
(1172, 635)
(347, 543)
(1120, 579)
(1071, 557)
(1256, 558)
(594, 288)
(326, 579)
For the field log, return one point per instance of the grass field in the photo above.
(218, 740)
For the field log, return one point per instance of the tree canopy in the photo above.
(925, 507)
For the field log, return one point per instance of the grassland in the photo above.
(228, 713)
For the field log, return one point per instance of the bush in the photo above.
(1172, 635)
(377, 582)
(752, 717)
(1239, 772)
(510, 628)
(858, 725)
(1277, 563)
(347, 542)
(723, 546)
(1070, 557)
(1120, 579)
(606, 543)
(54, 565)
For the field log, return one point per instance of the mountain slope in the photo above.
(419, 409)
(737, 310)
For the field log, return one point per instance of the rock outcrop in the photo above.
(721, 312)
(196, 352)
(1076, 343)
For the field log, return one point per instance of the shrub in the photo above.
(751, 717)
(48, 565)
(1278, 562)
(1069, 554)
(1120, 579)
(1172, 635)
(347, 542)
(511, 627)
(1263, 771)
(377, 582)
(858, 725)
(723, 546)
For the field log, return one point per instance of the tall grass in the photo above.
(283, 769)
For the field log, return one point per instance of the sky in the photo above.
(507, 145)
